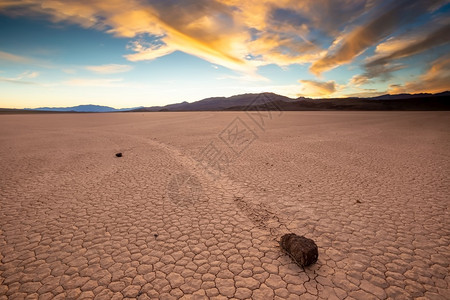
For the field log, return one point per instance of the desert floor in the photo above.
(195, 206)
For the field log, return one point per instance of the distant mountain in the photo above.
(220, 103)
(265, 101)
(83, 108)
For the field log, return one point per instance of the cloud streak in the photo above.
(6, 56)
(94, 82)
(21, 78)
(109, 69)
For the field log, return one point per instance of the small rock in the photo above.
(119, 154)
(155, 235)
(303, 250)
(357, 201)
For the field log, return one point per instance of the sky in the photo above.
(154, 52)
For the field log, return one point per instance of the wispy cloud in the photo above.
(245, 77)
(8, 80)
(69, 70)
(6, 56)
(21, 78)
(27, 74)
(109, 69)
(95, 82)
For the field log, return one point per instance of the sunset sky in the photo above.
(155, 52)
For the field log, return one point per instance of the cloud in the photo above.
(109, 69)
(383, 71)
(318, 88)
(245, 77)
(436, 79)
(94, 82)
(147, 51)
(19, 79)
(14, 58)
(411, 47)
(239, 35)
(245, 35)
(69, 70)
(355, 42)
(3, 79)
(382, 63)
(27, 74)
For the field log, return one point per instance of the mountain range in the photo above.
(271, 101)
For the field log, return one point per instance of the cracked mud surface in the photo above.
(371, 188)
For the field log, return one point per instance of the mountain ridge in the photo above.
(245, 101)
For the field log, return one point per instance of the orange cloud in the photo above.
(435, 80)
(202, 28)
(318, 88)
(217, 31)
(358, 80)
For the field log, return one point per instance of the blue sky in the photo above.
(145, 53)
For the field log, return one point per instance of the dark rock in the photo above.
(155, 235)
(119, 154)
(301, 249)
(357, 201)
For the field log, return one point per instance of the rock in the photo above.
(119, 154)
(301, 249)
